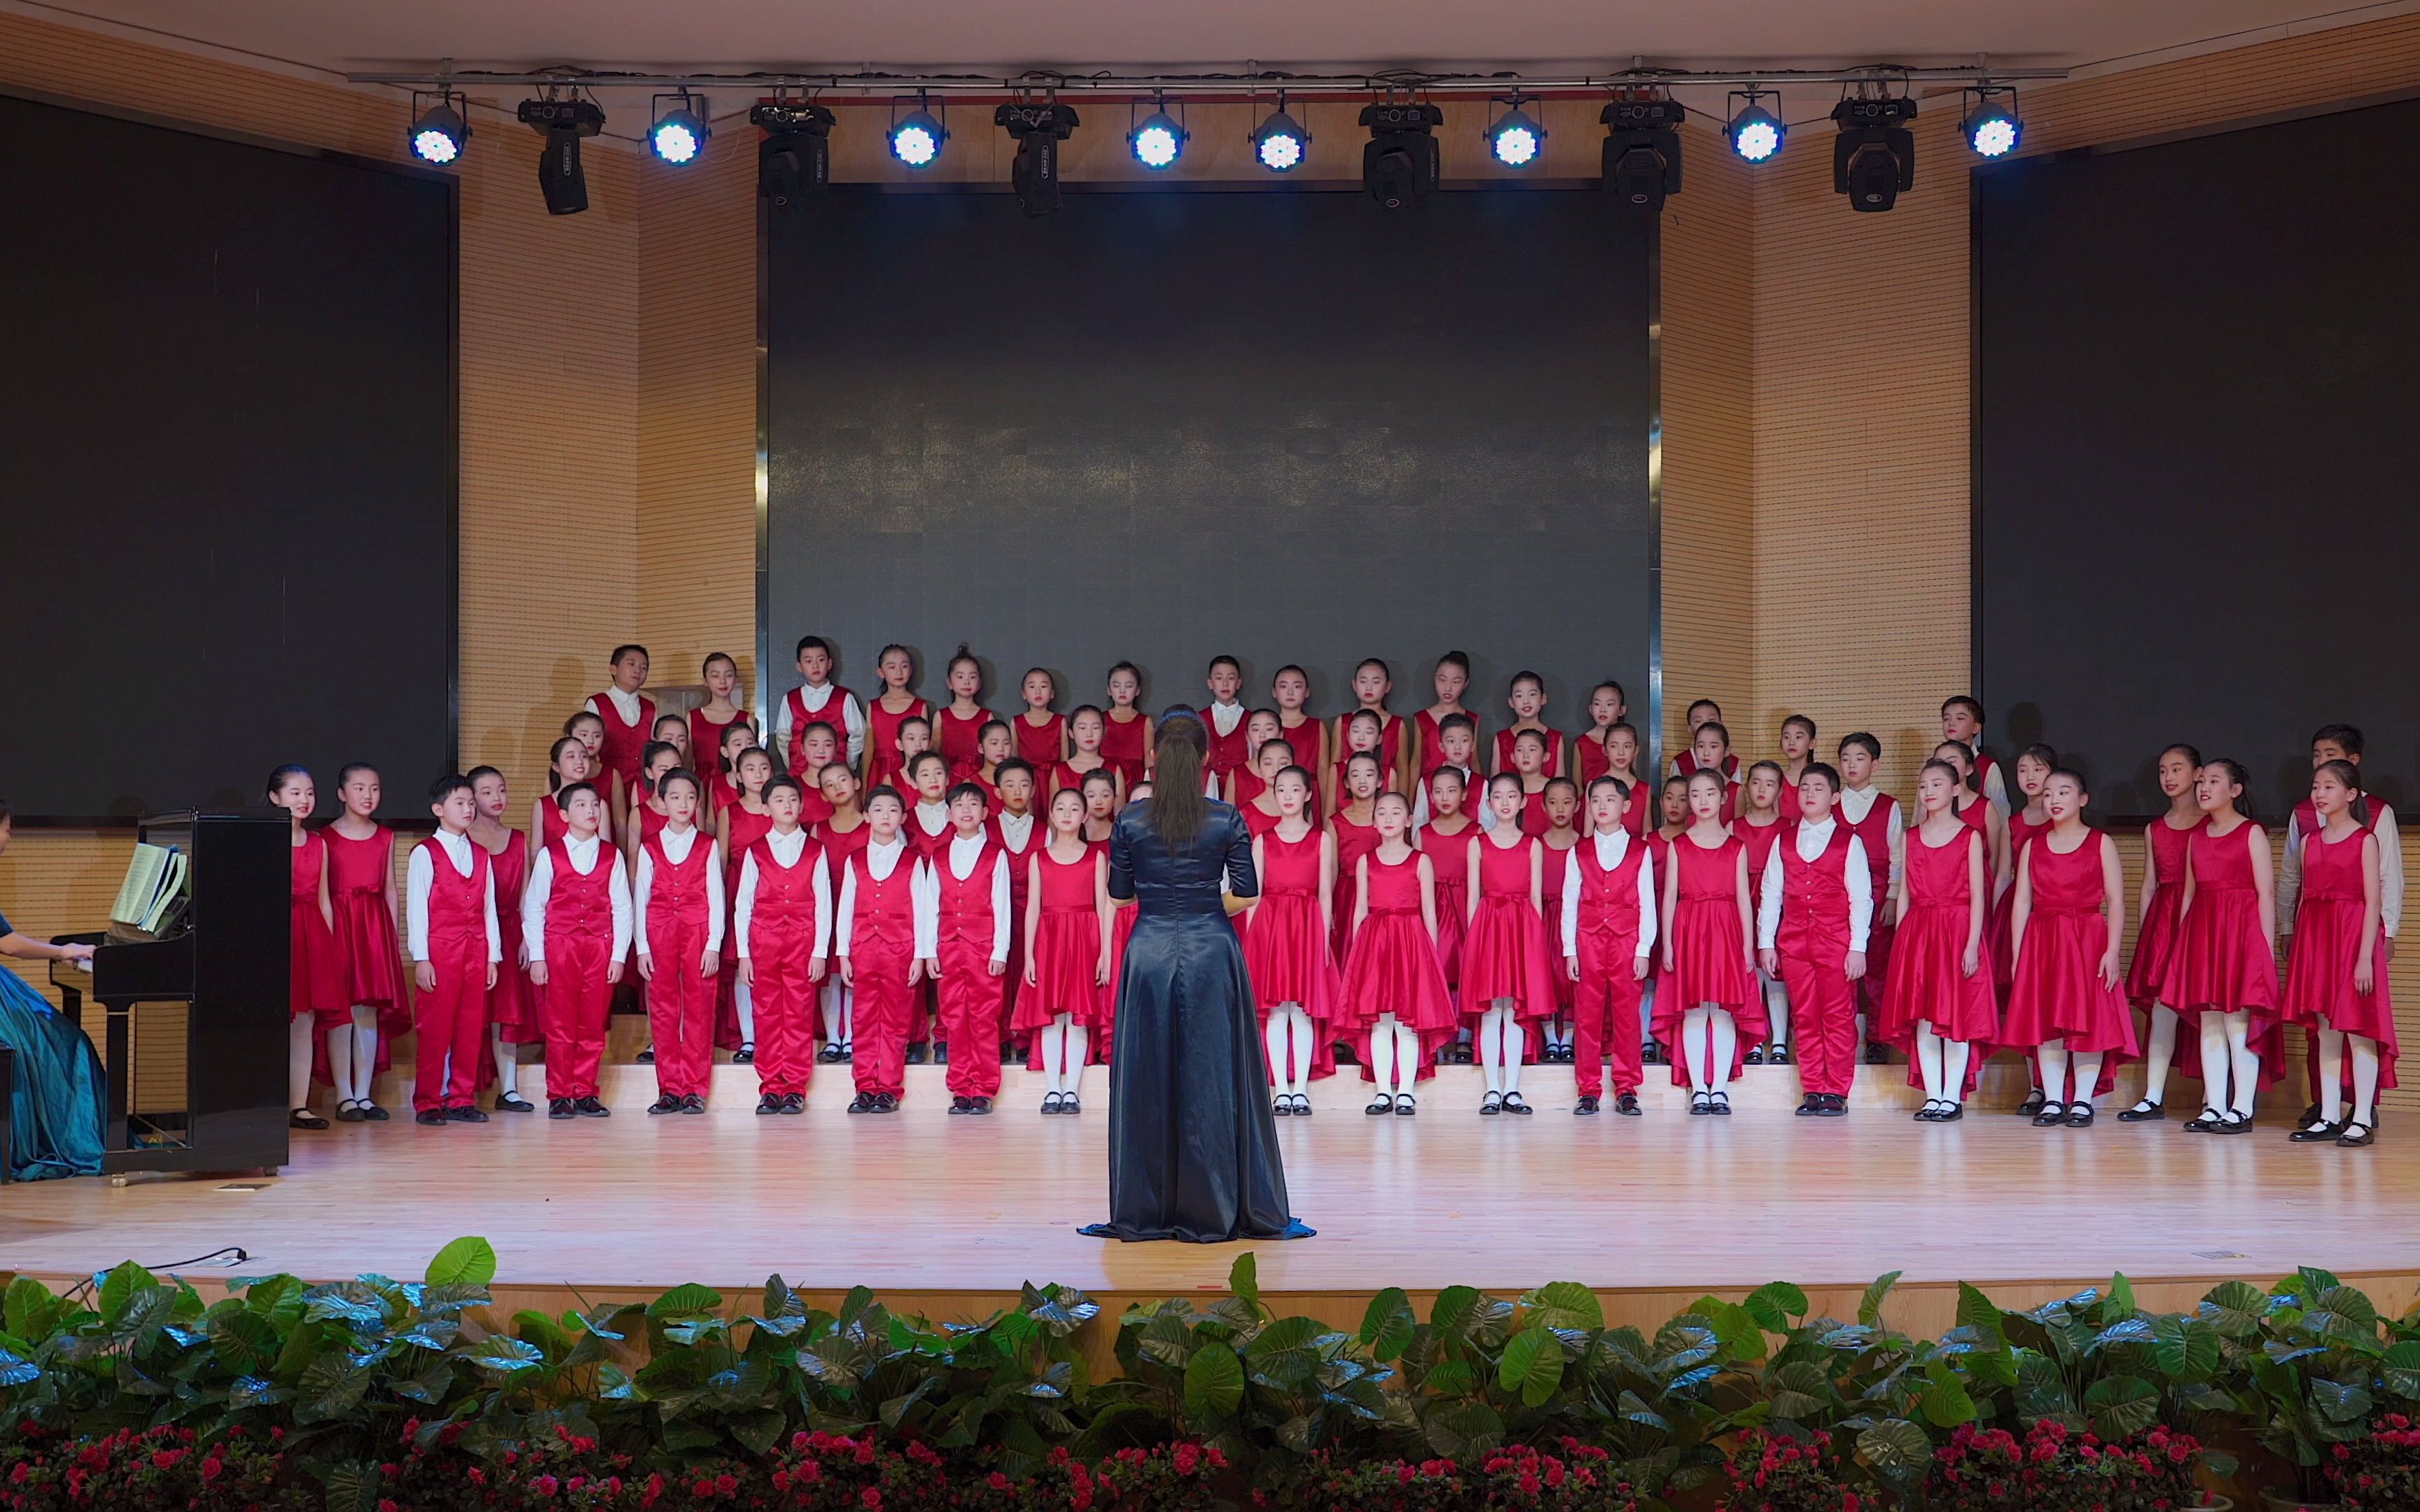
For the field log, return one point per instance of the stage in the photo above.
(948, 1214)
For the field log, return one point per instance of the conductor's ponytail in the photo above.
(1179, 808)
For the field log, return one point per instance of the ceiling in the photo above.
(1348, 35)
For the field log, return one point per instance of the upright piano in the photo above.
(226, 960)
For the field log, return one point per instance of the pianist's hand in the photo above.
(74, 952)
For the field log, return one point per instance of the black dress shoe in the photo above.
(590, 1107)
(2207, 1123)
(1835, 1105)
(979, 1107)
(465, 1115)
(1301, 1105)
(770, 1103)
(1282, 1106)
(1513, 1104)
(830, 1054)
(1931, 1112)
(1073, 1104)
(432, 1119)
(1051, 1102)
(350, 1111)
(744, 1056)
(1700, 1103)
(2148, 1111)
(1585, 1107)
(1809, 1105)
(304, 1119)
(862, 1103)
(1722, 1108)
(916, 1054)
(1492, 1104)
(666, 1104)
(2318, 1133)
(511, 1102)
(2234, 1123)
(1951, 1113)
(1385, 1102)
(694, 1102)
(647, 1056)
(371, 1111)
(885, 1102)
(1651, 1054)
(1405, 1105)
(2049, 1116)
(2079, 1115)
(2310, 1116)
(560, 1107)
(2032, 1104)
(940, 1055)
(1755, 1055)
(961, 1104)
(1779, 1056)
(2357, 1136)
(793, 1105)
(1626, 1105)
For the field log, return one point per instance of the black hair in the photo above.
(1289, 666)
(563, 794)
(1970, 775)
(1538, 735)
(654, 749)
(1620, 726)
(811, 642)
(1609, 780)
(2193, 753)
(990, 725)
(1379, 662)
(2048, 755)
(1718, 727)
(1513, 777)
(1014, 763)
(1082, 709)
(1370, 715)
(1957, 778)
(1704, 704)
(573, 723)
(915, 762)
(917, 719)
(1874, 746)
(1369, 756)
(1223, 660)
(1800, 720)
(782, 780)
(1526, 676)
(1973, 706)
(2347, 735)
(1041, 671)
(345, 773)
(713, 657)
(2237, 775)
(1291, 770)
(1125, 667)
(1458, 721)
(1554, 782)
(826, 726)
(1455, 658)
(553, 758)
(1382, 798)
(1830, 774)
(741, 783)
(2350, 774)
(1618, 692)
(1754, 767)
(1106, 776)
(1454, 772)
(964, 790)
(477, 772)
(2071, 774)
(1681, 778)
(882, 791)
(678, 720)
(1278, 740)
(622, 651)
(277, 779)
(1721, 785)
(682, 774)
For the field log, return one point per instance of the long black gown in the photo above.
(1193, 1151)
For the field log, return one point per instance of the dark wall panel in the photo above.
(1159, 426)
(2197, 459)
(228, 459)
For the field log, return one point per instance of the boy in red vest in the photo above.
(677, 927)
(1817, 906)
(629, 721)
(1610, 912)
(450, 919)
(883, 936)
(783, 921)
(576, 925)
(971, 960)
(817, 700)
(1879, 824)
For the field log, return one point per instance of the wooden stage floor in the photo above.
(955, 1212)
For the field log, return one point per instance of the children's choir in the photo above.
(897, 880)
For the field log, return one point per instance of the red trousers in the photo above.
(680, 1006)
(578, 1000)
(451, 1021)
(971, 1017)
(788, 1011)
(1822, 1023)
(1605, 1014)
(883, 1000)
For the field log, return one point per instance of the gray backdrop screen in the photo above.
(1159, 426)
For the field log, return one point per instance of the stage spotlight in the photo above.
(916, 138)
(1755, 133)
(1400, 165)
(680, 133)
(1038, 129)
(1516, 140)
(1642, 149)
(439, 130)
(563, 121)
(1279, 143)
(1874, 159)
(795, 158)
(1159, 141)
(1993, 129)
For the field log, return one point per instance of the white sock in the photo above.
(1072, 1079)
(1697, 1033)
(1725, 1045)
(1777, 1007)
(1647, 1010)
(1382, 1053)
(2161, 1053)
(1054, 1053)
(1515, 1045)
(1953, 1070)
(1491, 1043)
(2215, 1060)
(2245, 1060)
(1278, 1038)
(832, 995)
(2332, 1050)
(746, 1002)
(340, 1062)
(1408, 1059)
(298, 1061)
(2364, 1079)
(2053, 1070)
(1929, 1060)
(2086, 1065)
(1306, 1048)
(508, 1063)
(366, 1038)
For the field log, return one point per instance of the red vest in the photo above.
(924, 846)
(1815, 897)
(966, 901)
(1227, 753)
(2306, 816)
(677, 890)
(624, 743)
(884, 922)
(833, 712)
(1609, 898)
(458, 905)
(782, 912)
(1875, 835)
(576, 904)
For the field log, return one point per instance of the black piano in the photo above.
(226, 959)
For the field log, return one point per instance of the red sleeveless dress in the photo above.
(1256, 822)
(705, 736)
(959, 739)
(1450, 858)
(1353, 842)
(1550, 885)
(1393, 967)
(1928, 979)
(358, 870)
(1066, 946)
(2057, 994)
(882, 736)
(1505, 953)
(1710, 962)
(514, 1002)
(2223, 963)
(1040, 746)
(1504, 742)
(316, 967)
(2327, 943)
(1286, 951)
(2150, 977)
(1760, 841)
(1122, 745)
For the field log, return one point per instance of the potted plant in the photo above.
(2382, 1473)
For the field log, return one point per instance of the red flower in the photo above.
(1187, 1458)
(725, 1484)
(870, 1498)
(996, 1481)
(166, 1458)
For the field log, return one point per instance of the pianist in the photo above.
(53, 1106)
(12, 943)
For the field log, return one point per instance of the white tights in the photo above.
(1777, 1007)
(508, 1063)
(838, 1002)
(1292, 1047)
(298, 1061)
(1394, 1056)
(2226, 1055)
(1942, 1062)
(2055, 1063)
(2364, 1076)
(1709, 1043)
(1063, 1054)
(352, 1054)
(1500, 1041)
(2161, 1051)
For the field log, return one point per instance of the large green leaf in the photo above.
(2121, 1406)
(468, 1262)
(353, 1488)
(1465, 1430)
(1869, 1310)
(2041, 1388)
(29, 1310)
(16, 1370)
(1736, 1327)
(1452, 1309)
(506, 1356)
(2187, 1349)
(1386, 1325)
(1214, 1383)
(1531, 1366)
(1979, 1313)
(1897, 1450)
(2121, 1302)
(2401, 1368)
(1564, 1305)
(2234, 1308)
(1776, 1305)
(119, 1288)
(1244, 1278)
(1946, 1402)
(2340, 1403)
(244, 1342)
(686, 1299)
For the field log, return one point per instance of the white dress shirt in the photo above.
(1016, 830)
(963, 855)
(924, 892)
(420, 876)
(1856, 803)
(586, 856)
(2389, 872)
(1610, 849)
(818, 700)
(785, 849)
(677, 844)
(627, 706)
(1812, 837)
(932, 818)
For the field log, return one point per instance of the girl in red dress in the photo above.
(1373, 681)
(1357, 734)
(1938, 1005)
(1762, 821)
(1527, 698)
(1290, 690)
(671, 730)
(915, 737)
(1127, 739)
(1452, 680)
(2335, 980)
(958, 726)
(1707, 995)
(1458, 753)
(738, 827)
(1529, 766)
(818, 752)
(1355, 825)
(1086, 729)
(317, 994)
(1710, 750)
(1671, 802)
(897, 703)
(1100, 794)
(362, 893)
(1621, 756)
(723, 787)
(2225, 972)
(1984, 815)
(1261, 808)
(2068, 995)
(589, 727)
(1067, 926)
(2151, 979)
(1558, 837)
(1608, 704)
(1392, 989)
(721, 712)
(1250, 780)
(1797, 749)
(1685, 761)
(1506, 974)
(648, 812)
(843, 834)
(1446, 840)
(513, 1009)
(994, 743)
(1286, 948)
(1041, 734)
